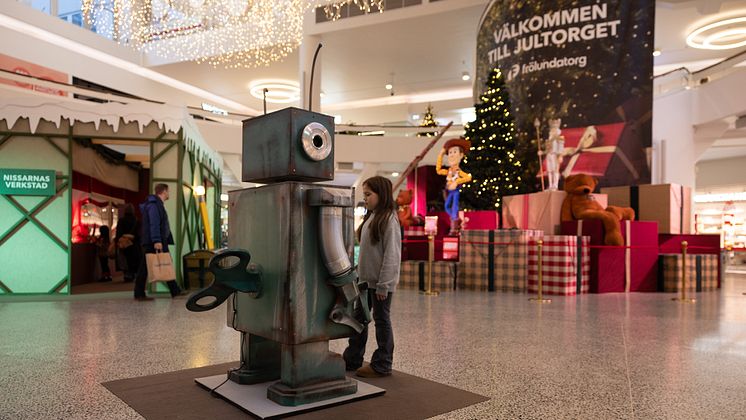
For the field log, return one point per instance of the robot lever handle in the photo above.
(238, 277)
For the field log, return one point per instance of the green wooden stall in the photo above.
(35, 231)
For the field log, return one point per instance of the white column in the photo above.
(305, 60)
(674, 148)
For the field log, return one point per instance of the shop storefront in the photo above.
(59, 188)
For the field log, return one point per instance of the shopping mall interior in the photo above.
(594, 264)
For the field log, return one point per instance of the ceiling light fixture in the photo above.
(278, 91)
(465, 76)
(395, 174)
(721, 35)
(389, 86)
(656, 52)
(84, 50)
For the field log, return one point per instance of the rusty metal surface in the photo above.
(273, 147)
(281, 232)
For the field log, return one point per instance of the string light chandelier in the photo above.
(227, 33)
(333, 11)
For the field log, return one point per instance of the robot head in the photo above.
(291, 144)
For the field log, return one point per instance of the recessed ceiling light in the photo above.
(415, 117)
(465, 76)
(278, 90)
(395, 174)
(721, 35)
(656, 52)
(389, 86)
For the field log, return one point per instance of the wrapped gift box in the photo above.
(668, 204)
(632, 268)
(494, 259)
(540, 211)
(701, 272)
(413, 275)
(450, 248)
(565, 265)
(416, 248)
(697, 244)
(480, 220)
(414, 231)
(470, 220)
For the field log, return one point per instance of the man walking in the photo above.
(155, 237)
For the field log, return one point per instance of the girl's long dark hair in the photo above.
(385, 208)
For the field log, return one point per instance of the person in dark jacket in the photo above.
(103, 250)
(128, 241)
(155, 236)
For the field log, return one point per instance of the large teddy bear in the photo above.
(403, 200)
(580, 204)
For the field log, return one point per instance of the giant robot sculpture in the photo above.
(288, 270)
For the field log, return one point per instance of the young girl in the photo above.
(378, 265)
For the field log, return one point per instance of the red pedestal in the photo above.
(427, 187)
(613, 268)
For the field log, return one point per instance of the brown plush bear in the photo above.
(403, 200)
(580, 204)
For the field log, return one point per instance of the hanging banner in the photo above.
(26, 68)
(588, 62)
(27, 182)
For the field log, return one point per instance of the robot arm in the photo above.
(335, 257)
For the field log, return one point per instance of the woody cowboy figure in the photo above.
(455, 149)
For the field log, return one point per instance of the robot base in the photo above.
(248, 377)
(253, 398)
(284, 395)
(310, 373)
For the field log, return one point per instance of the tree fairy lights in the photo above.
(494, 161)
(227, 33)
(428, 121)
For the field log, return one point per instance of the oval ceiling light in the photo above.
(278, 91)
(721, 35)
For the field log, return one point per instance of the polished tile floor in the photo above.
(592, 357)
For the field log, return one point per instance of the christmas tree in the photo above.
(498, 162)
(428, 121)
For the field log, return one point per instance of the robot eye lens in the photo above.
(316, 141)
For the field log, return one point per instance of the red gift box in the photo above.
(696, 244)
(416, 248)
(565, 265)
(480, 220)
(632, 268)
(470, 220)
